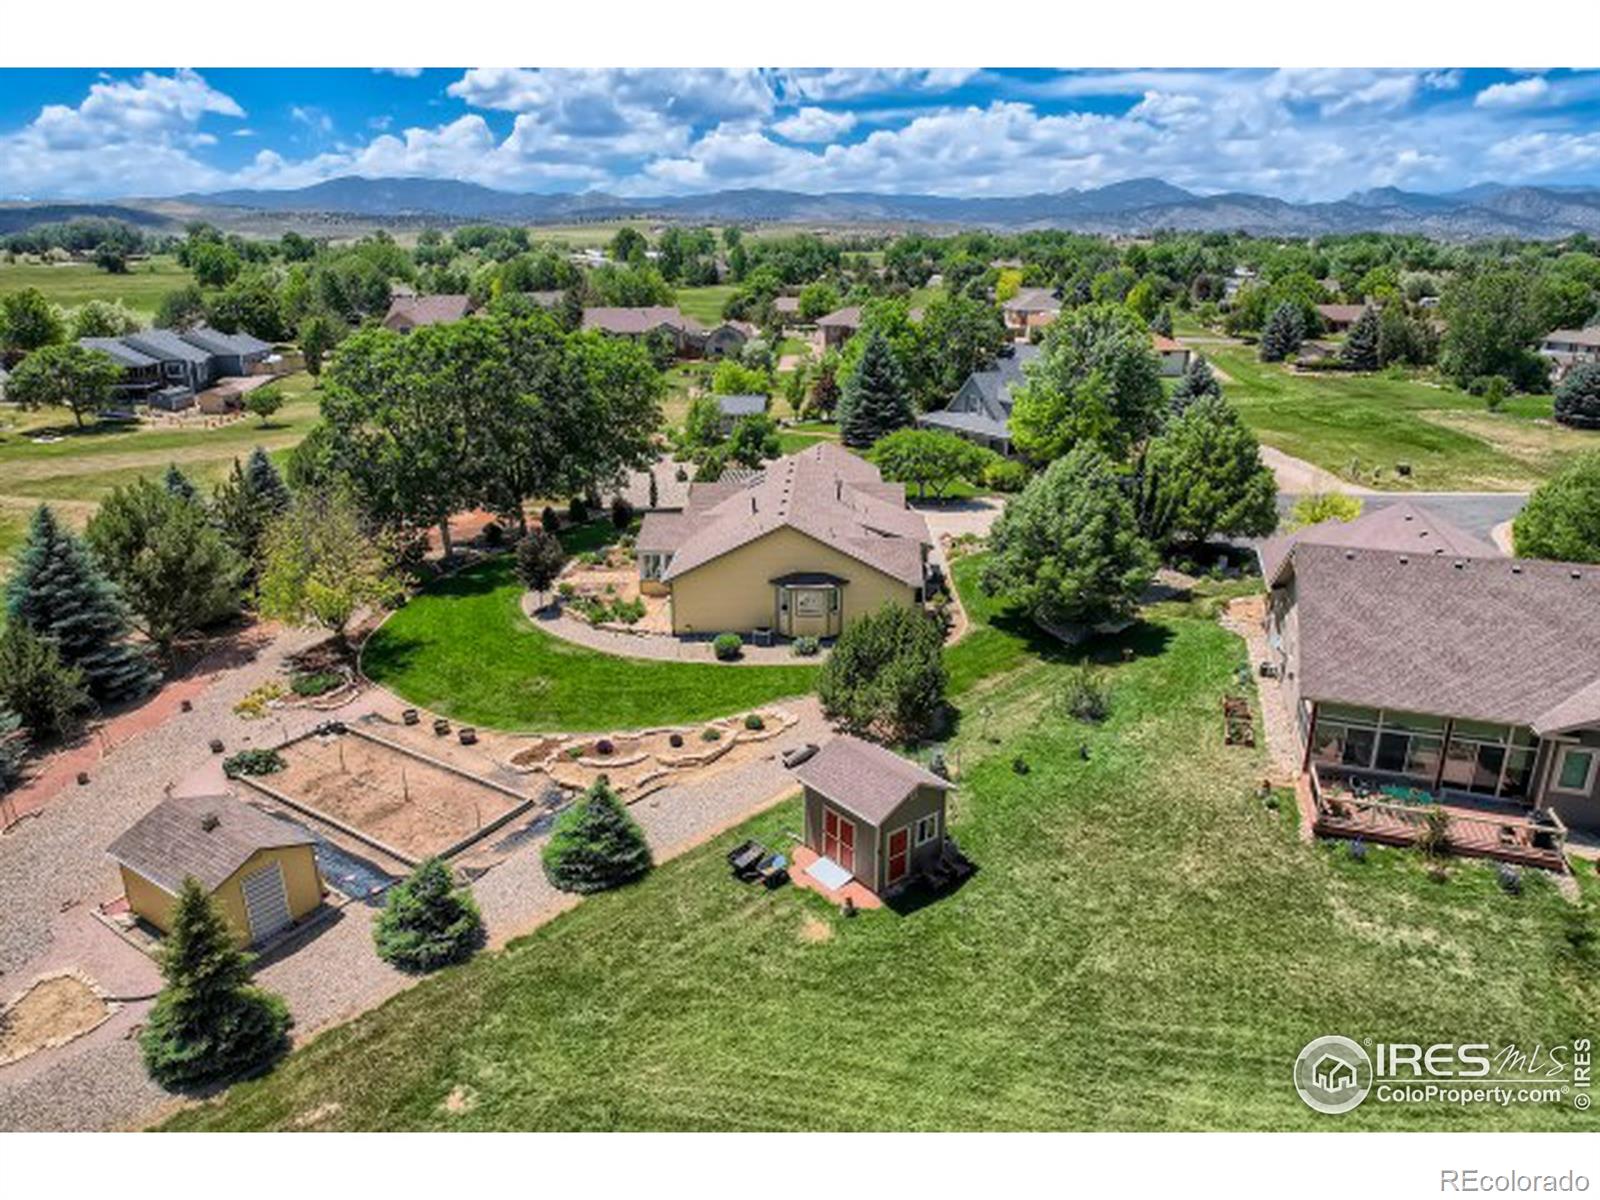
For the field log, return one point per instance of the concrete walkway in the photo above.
(657, 646)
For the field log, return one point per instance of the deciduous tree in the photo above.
(1562, 518)
(886, 674)
(320, 564)
(67, 376)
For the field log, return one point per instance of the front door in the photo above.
(839, 839)
(899, 855)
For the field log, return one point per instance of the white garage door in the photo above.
(266, 902)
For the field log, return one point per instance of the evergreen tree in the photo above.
(265, 482)
(1204, 476)
(1198, 380)
(209, 1023)
(1283, 333)
(1360, 350)
(43, 692)
(13, 743)
(1162, 322)
(177, 483)
(1578, 397)
(60, 593)
(596, 844)
(874, 400)
(166, 558)
(1068, 546)
(427, 922)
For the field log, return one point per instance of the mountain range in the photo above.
(1132, 206)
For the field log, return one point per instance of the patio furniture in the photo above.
(468, 735)
(774, 871)
(746, 858)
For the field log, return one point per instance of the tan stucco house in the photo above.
(1031, 308)
(260, 870)
(1413, 654)
(802, 547)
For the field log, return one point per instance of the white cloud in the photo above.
(813, 124)
(1513, 95)
(844, 83)
(403, 72)
(599, 101)
(312, 118)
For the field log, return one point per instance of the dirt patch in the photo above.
(50, 1013)
(812, 930)
(399, 800)
(459, 1100)
(316, 1116)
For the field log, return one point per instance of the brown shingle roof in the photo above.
(1033, 299)
(638, 320)
(1589, 336)
(848, 317)
(823, 491)
(1488, 639)
(867, 780)
(410, 312)
(1341, 314)
(1398, 526)
(173, 841)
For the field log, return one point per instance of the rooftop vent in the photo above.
(1350, 555)
(1405, 559)
(209, 821)
(1576, 574)
(1459, 564)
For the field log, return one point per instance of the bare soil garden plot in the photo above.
(405, 804)
(50, 1013)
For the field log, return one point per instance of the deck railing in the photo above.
(1472, 827)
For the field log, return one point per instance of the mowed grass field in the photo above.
(1145, 945)
(704, 304)
(1362, 426)
(464, 648)
(71, 284)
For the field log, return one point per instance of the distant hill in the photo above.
(1130, 207)
(16, 218)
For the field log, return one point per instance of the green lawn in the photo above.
(704, 304)
(1362, 426)
(1145, 945)
(70, 284)
(464, 649)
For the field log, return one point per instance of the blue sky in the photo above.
(1304, 134)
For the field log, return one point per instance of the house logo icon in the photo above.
(1333, 1074)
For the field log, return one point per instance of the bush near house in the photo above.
(260, 761)
(886, 675)
(427, 922)
(728, 646)
(596, 845)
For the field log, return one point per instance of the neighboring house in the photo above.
(788, 309)
(981, 410)
(687, 335)
(141, 373)
(1174, 355)
(1338, 318)
(734, 408)
(231, 353)
(671, 493)
(803, 547)
(879, 817)
(1413, 655)
(1566, 348)
(412, 312)
(838, 327)
(1031, 308)
(728, 339)
(183, 365)
(261, 871)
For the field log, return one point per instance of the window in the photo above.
(1575, 769)
(927, 829)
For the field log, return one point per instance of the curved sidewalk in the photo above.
(655, 645)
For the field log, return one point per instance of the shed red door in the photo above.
(839, 839)
(899, 854)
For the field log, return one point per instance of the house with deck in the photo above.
(800, 548)
(231, 353)
(1423, 668)
(981, 410)
(687, 336)
(1567, 348)
(141, 372)
(184, 366)
(838, 327)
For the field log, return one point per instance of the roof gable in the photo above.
(865, 779)
(206, 837)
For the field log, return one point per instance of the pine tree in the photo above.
(1162, 322)
(1283, 333)
(45, 693)
(596, 845)
(1204, 477)
(13, 742)
(59, 593)
(1360, 352)
(1198, 380)
(1578, 397)
(427, 922)
(874, 401)
(209, 1023)
(265, 482)
(177, 483)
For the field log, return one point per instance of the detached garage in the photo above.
(261, 871)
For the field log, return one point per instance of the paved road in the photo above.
(1476, 512)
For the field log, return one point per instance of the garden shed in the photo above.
(876, 816)
(261, 871)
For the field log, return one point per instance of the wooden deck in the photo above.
(1487, 829)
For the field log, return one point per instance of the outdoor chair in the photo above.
(746, 858)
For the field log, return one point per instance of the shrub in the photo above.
(35, 685)
(1578, 397)
(1085, 696)
(1005, 475)
(261, 761)
(728, 646)
(629, 612)
(886, 674)
(807, 646)
(577, 510)
(753, 721)
(493, 535)
(314, 683)
(1562, 518)
(1510, 878)
(1434, 836)
(549, 520)
(427, 922)
(596, 845)
(209, 1023)
(621, 513)
(566, 591)
(711, 734)
(675, 740)
(604, 747)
